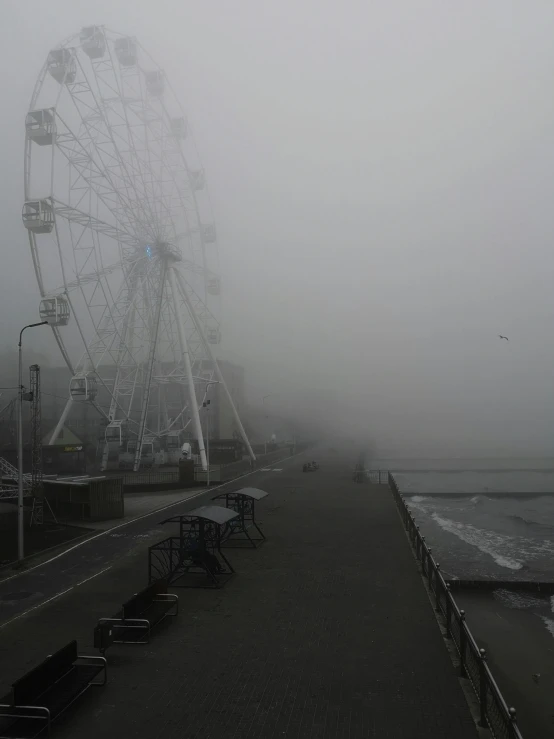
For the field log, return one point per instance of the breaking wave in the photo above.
(529, 522)
(549, 623)
(487, 542)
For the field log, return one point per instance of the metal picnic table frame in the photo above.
(243, 501)
(196, 550)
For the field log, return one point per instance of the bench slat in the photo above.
(136, 605)
(56, 698)
(35, 682)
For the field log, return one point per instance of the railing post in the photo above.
(418, 543)
(437, 580)
(448, 612)
(463, 644)
(429, 569)
(513, 721)
(423, 555)
(483, 689)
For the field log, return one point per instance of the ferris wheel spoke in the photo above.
(90, 173)
(112, 326)
(96, 166)
(94, 118)
(85, 279)
(123, 131)
(200, 307)
(75, 215)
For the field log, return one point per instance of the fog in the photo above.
(381, 176)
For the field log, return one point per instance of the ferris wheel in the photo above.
(123, 241)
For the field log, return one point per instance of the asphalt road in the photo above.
(29, 589)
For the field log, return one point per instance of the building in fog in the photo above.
(87, 424)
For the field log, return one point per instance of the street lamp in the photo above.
(206, 403)
(20, 520)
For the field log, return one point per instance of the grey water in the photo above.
(485, 519)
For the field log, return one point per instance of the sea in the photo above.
(485, 519)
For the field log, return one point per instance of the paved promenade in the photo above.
(325, 632)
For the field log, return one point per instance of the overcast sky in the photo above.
(382, 175)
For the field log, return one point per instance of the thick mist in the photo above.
(381, 175)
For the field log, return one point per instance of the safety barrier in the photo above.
(495, 714)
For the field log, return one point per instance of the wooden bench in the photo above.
(38, 698)
(137, 617)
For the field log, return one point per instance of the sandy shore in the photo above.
(518, 646)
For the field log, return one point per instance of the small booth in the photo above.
(83, 387)
(208, 233)
(213, 335)
(38, 216)
(197, 179)
(55, 310)
(85, 498)
(40, 126)
(62, 65)
(93, 42)
(126, 51)
(213, 286)
(179, 127)
(155, 82)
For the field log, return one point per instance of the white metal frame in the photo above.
(130, 223)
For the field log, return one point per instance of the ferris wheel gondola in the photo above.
(122, 238)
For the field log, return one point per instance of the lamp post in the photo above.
(20, 517)
(206, 404)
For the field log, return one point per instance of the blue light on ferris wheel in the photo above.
(149, 252)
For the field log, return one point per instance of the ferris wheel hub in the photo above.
(164, 250)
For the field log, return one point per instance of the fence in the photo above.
(377, 477)
(169, 479)
(151, 477)
(494, 712)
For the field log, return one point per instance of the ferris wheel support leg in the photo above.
(155, 329)
(188, 370)
(218, 373)
(61, 422)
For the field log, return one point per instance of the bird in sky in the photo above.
(503, 337)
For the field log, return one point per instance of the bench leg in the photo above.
(104, 673)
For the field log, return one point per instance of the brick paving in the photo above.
(326, 632)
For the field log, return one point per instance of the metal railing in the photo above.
(494, 712)
(151, 477)
(377, 477)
